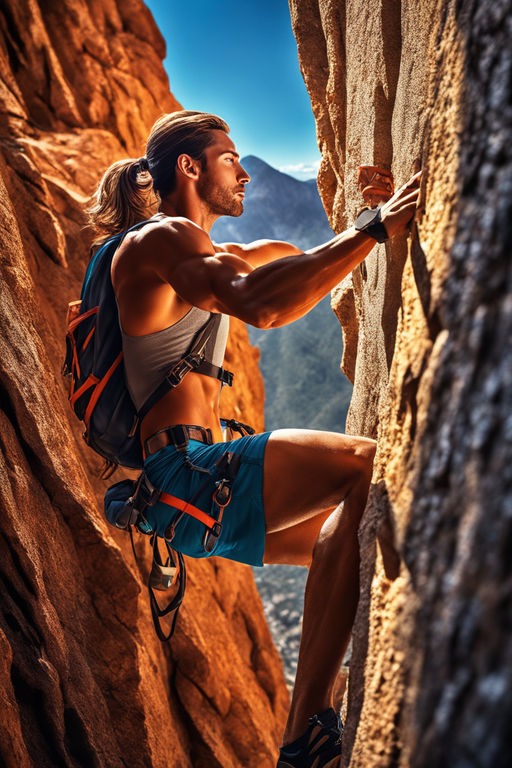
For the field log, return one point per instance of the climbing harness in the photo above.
(126, 504)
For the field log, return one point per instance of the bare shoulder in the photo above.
(180, 232)
(171, 235)
(165, 241)
(239, 249)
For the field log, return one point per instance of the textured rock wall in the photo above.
(85, 682)
(427, 327)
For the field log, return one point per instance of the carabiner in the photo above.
(222, 493)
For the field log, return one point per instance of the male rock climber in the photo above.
(286, 507)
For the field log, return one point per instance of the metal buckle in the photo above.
(211, 536)
(128, 515)
(227, 377)
(181, 368)
(179, 437)
(145, 495)
(222, 493)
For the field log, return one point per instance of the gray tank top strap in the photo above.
(149, 358)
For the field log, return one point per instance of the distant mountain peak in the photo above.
(255, 160)
(278, 207)
(256, 164)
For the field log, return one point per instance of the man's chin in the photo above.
(235, 210)
(239, 211)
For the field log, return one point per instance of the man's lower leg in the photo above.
(332, 593)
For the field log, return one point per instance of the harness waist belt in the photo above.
(177, 435)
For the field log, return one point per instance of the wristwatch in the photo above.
(369, 221)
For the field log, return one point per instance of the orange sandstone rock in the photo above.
(85, 681)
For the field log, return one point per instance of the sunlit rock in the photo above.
(427, 330)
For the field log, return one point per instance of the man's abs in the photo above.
(194, 401)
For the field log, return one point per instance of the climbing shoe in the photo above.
(319, 747)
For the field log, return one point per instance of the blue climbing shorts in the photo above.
(242, 536)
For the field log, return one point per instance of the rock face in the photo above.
(427, 327)
(85, 681)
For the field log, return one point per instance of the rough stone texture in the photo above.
(85, 681)
(428, 346)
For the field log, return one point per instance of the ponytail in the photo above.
(124, 197)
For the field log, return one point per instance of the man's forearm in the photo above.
(284, 290)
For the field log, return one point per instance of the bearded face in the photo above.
(222, 197)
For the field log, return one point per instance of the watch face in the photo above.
(366, 217)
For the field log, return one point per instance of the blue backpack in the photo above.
(94, 362)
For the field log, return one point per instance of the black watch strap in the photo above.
(369, 221)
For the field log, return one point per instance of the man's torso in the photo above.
(148, 305)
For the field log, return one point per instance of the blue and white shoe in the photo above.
(318, 747)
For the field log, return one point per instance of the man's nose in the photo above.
(243, 176)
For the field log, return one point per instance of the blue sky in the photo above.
(238, 59)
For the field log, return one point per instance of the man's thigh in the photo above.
(307, 471)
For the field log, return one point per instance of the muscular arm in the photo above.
(278, 292)
(259, 252)
(271, 295)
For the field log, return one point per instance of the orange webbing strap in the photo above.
(77, 320)
(89, 382)
(185, 506)
(74, 320)
(99, 389)
(88, 338)
(75, 365)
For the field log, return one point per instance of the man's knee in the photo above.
(364, 454)
(367, 447)
(355, 465)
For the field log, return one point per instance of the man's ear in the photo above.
(187, 166)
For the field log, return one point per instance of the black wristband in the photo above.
(369, 221)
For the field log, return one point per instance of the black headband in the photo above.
(143, 163)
